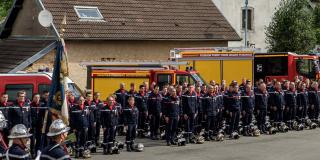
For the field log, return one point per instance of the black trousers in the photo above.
(277, 115)
(234, 121)
(131, 133)
(109, 136)
(97, 132)
(301, 112)
(35, 140)
(189, 124)
(142, 120)
(313, 112)
(155, 124)
(289, 113)
(261, 118)
(171, 129)
(247, 117)
(91, 133)
(82, 138)
(212, 126)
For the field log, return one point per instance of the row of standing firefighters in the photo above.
(179, 114)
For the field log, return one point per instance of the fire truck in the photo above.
(223, 63)
(105, 76)
(285, 66)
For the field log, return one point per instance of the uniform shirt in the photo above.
(15, 152)
(261, 100)
(79, 118)
(211, 104)
(141, 101)
(247, 101)
(91, 106)
(4, 107)
(189, 103)
(130, 115)
(233, 101)
(302, 99)
(200, 99)
(54, 152)
(19, 113)
(109, 116)
(277, 99)
(122, 96)
(290, 98)
(154, 103)
(99, 105)
(172, 109)
(37, 114)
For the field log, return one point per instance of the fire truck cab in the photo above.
(285, 66)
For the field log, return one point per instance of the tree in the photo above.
(317, 23)
(291, 28)
(4, 8)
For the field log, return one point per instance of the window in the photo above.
(181, 79)
(12, 90)
(307, 68)
(164, 79)
(250, 18)
(43, 87)
(88, 13)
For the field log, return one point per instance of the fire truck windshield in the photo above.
(307, 68)
(198, 78)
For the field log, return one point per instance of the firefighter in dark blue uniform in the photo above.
(3, 143)
(155, 112)
(20, 112)
(172, 113)
(189, 110)
(121, 98)
(109, 121)
(141, 100)
(234, 107)
(210, 110)
(58, 132)
(247, 103)
(302, 102)
(200, 115)
(38, 110)
(80, 124)
(99, 104)
(261, 105)
(277, 104)
(291, 105)
(313, 110)
(20, 137)
(130, 117)
(92, 120)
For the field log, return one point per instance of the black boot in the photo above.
(109, 149)
(128, 146)
(132, 146)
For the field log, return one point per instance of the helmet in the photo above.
(57, 127)
(220, 136)
(256, 131)
(283, 127)
(235, 135)
(19, 131)
(3, 121)
(139, 147)
(200, 139)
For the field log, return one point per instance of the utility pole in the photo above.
(246, 25)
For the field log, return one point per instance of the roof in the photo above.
(16, 55)
(144, 20)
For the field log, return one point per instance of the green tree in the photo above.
(317, 22)
(291, 28)
(4, 7)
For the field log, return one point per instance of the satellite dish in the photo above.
(45, 18)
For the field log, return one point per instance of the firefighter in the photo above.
(3, 143)
(200, 116)
(277, 104)
(172, 113)
(155, 112)
(247, 101)
(4, 107)
(291, 105)
(242, 86)
(20, 137)
(261, 105)
(210, 109)
(313, 111)
(141, 100)
(109, 121)
(190, 111)
(121, 98)
(92, 120)
(99, 104)
(20, 112)
(130, 117)
(80, 124)
(58, 132)
(132, 90)
(234, 106)
(37, 116)
(302, 102)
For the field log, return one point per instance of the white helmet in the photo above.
(57, 127)
(3, 121)
(19, 131)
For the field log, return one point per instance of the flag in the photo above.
(59, 86)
